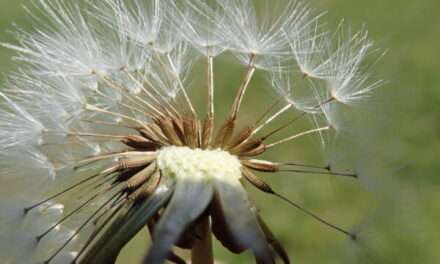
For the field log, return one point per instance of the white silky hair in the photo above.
(17, 126)
(143, 22)
(251, 34)
(115, 59)
(201, 25)
(346, 79)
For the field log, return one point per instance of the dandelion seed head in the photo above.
(103, 107)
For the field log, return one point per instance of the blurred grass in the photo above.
(406, 141)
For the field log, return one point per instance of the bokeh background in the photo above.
(394, 143)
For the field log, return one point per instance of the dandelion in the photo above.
(102, 109)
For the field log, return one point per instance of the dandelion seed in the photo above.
(103, 104)
(18, 127)
(201, 25)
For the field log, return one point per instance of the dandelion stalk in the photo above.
(202, 252)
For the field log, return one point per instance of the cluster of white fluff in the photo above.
(118, 60)
(104, 54)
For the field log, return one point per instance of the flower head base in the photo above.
(105, 106)
(197, 164)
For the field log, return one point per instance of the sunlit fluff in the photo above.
(102, 109)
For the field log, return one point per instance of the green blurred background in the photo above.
(396, 208)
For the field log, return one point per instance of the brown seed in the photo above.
(225, 133)
(178, 127)
(157, 131)
(168, 129)
(256, 181)
(247, 146)
(130, 162)
(139, 142)
(242, 137)
(149, 134)
(208, 129)
(147, 188)
(257, 149)
(260, 165)
(141, 177)
(191, 135)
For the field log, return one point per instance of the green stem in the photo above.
(202, 250)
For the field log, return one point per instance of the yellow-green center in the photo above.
(198, 164)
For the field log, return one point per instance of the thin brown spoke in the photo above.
(243, 88)
(293, 137)
(82, 226)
